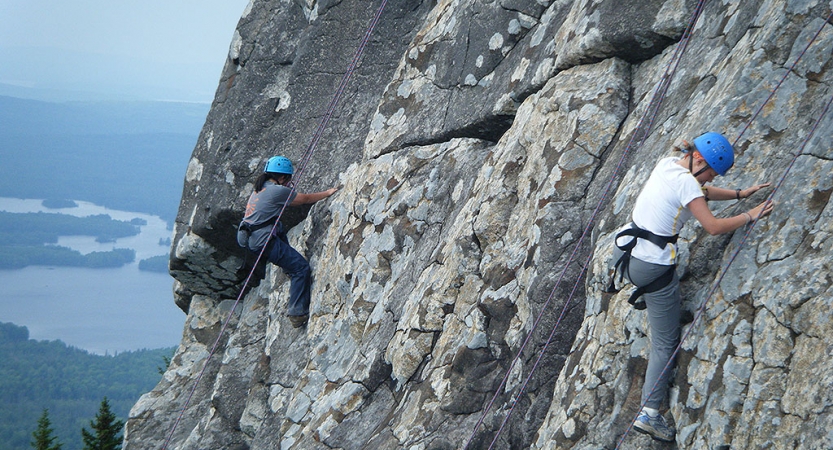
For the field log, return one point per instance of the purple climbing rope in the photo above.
(640, 134)
(296, 182)
(717, 282)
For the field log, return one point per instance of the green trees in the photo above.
(43, 438)
(24, 238)
(69, 382)
(39, 228)
(105, 430)
(105, 434)
(155, 264)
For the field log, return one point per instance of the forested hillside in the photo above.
(122, 155)
(24, 240)
(67, 381)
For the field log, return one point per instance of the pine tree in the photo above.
(106, 429)
(43, 437)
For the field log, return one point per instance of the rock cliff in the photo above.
(472, 149)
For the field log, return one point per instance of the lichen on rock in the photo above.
(472, 151)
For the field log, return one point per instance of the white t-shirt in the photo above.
(661, 208)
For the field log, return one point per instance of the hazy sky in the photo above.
(112, 48)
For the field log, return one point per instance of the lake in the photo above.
(98, 310)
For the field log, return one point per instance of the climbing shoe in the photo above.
(654, 427)
(298, 321)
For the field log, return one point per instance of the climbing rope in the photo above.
(717, 282)
(339, 92)
(643, 128)
(293, 186)
(737, 251)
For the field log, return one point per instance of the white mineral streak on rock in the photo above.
(496, 42)
(236, 46)
(433, 261)
(194, 171)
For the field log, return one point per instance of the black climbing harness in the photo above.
(251, 260)
(621, 266)
(245, 229)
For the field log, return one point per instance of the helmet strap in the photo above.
(691, 166)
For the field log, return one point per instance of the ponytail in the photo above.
(685, 147)
(266, 176)
(261, 180)
(689, 150)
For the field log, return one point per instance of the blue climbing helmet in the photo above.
(279, 164)
(716, 150)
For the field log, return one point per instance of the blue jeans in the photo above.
(296, 267)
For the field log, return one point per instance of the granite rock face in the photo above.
(473, 149)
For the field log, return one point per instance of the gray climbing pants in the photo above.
(663, 308)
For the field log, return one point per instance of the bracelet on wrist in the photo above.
(748, 217)
(737, 192)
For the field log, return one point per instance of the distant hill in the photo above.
(122, 155)
(24, 116)
(67, 381)
(23, 239)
